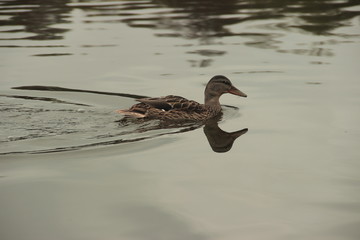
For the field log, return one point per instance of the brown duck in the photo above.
(175, 108)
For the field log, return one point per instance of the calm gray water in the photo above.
(70, 169)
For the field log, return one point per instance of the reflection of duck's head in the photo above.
(219, 140)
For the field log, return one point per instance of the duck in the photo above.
(176, 108)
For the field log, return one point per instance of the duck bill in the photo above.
(235, 91)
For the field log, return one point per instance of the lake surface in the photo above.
(70, 168)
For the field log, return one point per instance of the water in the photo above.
(71, 169)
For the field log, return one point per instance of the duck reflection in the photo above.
(219, 140)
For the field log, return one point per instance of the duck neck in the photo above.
(213, 102)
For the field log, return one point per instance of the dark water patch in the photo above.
(52, 54)
(313, 83)
(256, 72)
(319, 52)
(33, 46)
(200, 63)
(61, 89)
(173, 35)
(12, 31)
(318, 62)
(100, 45)
(264, 41)
(46, 99)
(208, 52)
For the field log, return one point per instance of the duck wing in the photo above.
(172, 102)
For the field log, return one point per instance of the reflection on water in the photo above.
(204, 20)
(36, 17)
(43, 121)
(219, 140)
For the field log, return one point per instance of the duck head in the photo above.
(217, 86)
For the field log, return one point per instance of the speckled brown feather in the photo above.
(169, 108)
